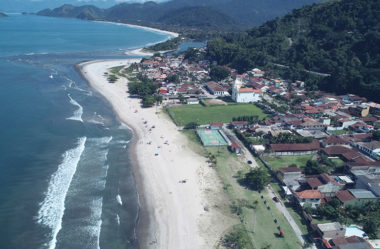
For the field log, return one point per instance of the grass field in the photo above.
(277, 162)
(204, 115)
(259, 222)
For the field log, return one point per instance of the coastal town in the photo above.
(321, 151)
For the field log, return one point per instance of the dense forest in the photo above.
(186, 16)
(332, 45)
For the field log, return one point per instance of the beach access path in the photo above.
(173, 213)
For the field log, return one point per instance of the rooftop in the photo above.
(362, 194)
(290, 169)
(245, 90)
(345, 196)
(309, 194)
(333, 226)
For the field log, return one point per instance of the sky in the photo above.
(36, 5)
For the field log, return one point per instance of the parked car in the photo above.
(276, 199)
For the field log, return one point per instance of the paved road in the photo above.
(290, 219)
(246, 153)
(281, 206)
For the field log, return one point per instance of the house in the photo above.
(325, 184)
(331, 230)
(352, 242)
(359, 111)
(289, 175)
(360, 127)
(365, 166)
(370, 182)
(235, 147)
(295, 149)
(216, 125)
(343, 152)
(363, 194)
(311, 124)
(345, 197)
(312, 197)
(370, 148)
(334, 140)
(192, 101)
(239, 124)
(216, 89)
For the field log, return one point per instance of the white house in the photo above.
(216, 89)
(245, 95)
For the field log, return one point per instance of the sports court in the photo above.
(211, 137)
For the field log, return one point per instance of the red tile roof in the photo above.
(345, 196)
(314, 182)
(336, 150)
(215, 87)
(290, 169)
(235, 146)
(335, 140)
(246, 90)
(239, 123)
(216, 124)
(309, 194)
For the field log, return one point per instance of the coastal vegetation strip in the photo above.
(204, 115)
(255, 214)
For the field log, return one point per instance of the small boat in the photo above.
(51, 76)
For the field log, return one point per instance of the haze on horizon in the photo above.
(37, 5)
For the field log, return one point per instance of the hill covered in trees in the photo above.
(336, 38)
(179, 15)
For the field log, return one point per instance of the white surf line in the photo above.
(77, 113)
(118, 199)
(53, 206)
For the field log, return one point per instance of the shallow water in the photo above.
(65, 177)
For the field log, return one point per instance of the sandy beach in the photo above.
(145, 27)
(172, 214)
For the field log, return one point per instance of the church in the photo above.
(242, 94)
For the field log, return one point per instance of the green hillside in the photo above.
(178, 15)
(337, 38)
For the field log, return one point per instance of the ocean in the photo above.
(66, 179)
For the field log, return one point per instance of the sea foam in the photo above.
(52, 207)
(118, 199)
(77, 115)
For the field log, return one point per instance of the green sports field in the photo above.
(204, 115)
(211, 138)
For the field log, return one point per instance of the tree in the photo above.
(376, 135)
(158, 99)
(173, 78)
(370, 228)
(191, 125)
(181, 98)
(257, 178)
(148, 101)
(218, 73)
(313, 168)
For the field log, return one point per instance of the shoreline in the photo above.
(171, 214)
(174, 34)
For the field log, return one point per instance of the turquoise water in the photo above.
(66, 179)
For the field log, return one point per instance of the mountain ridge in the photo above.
(336, 38)
(237, 14)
